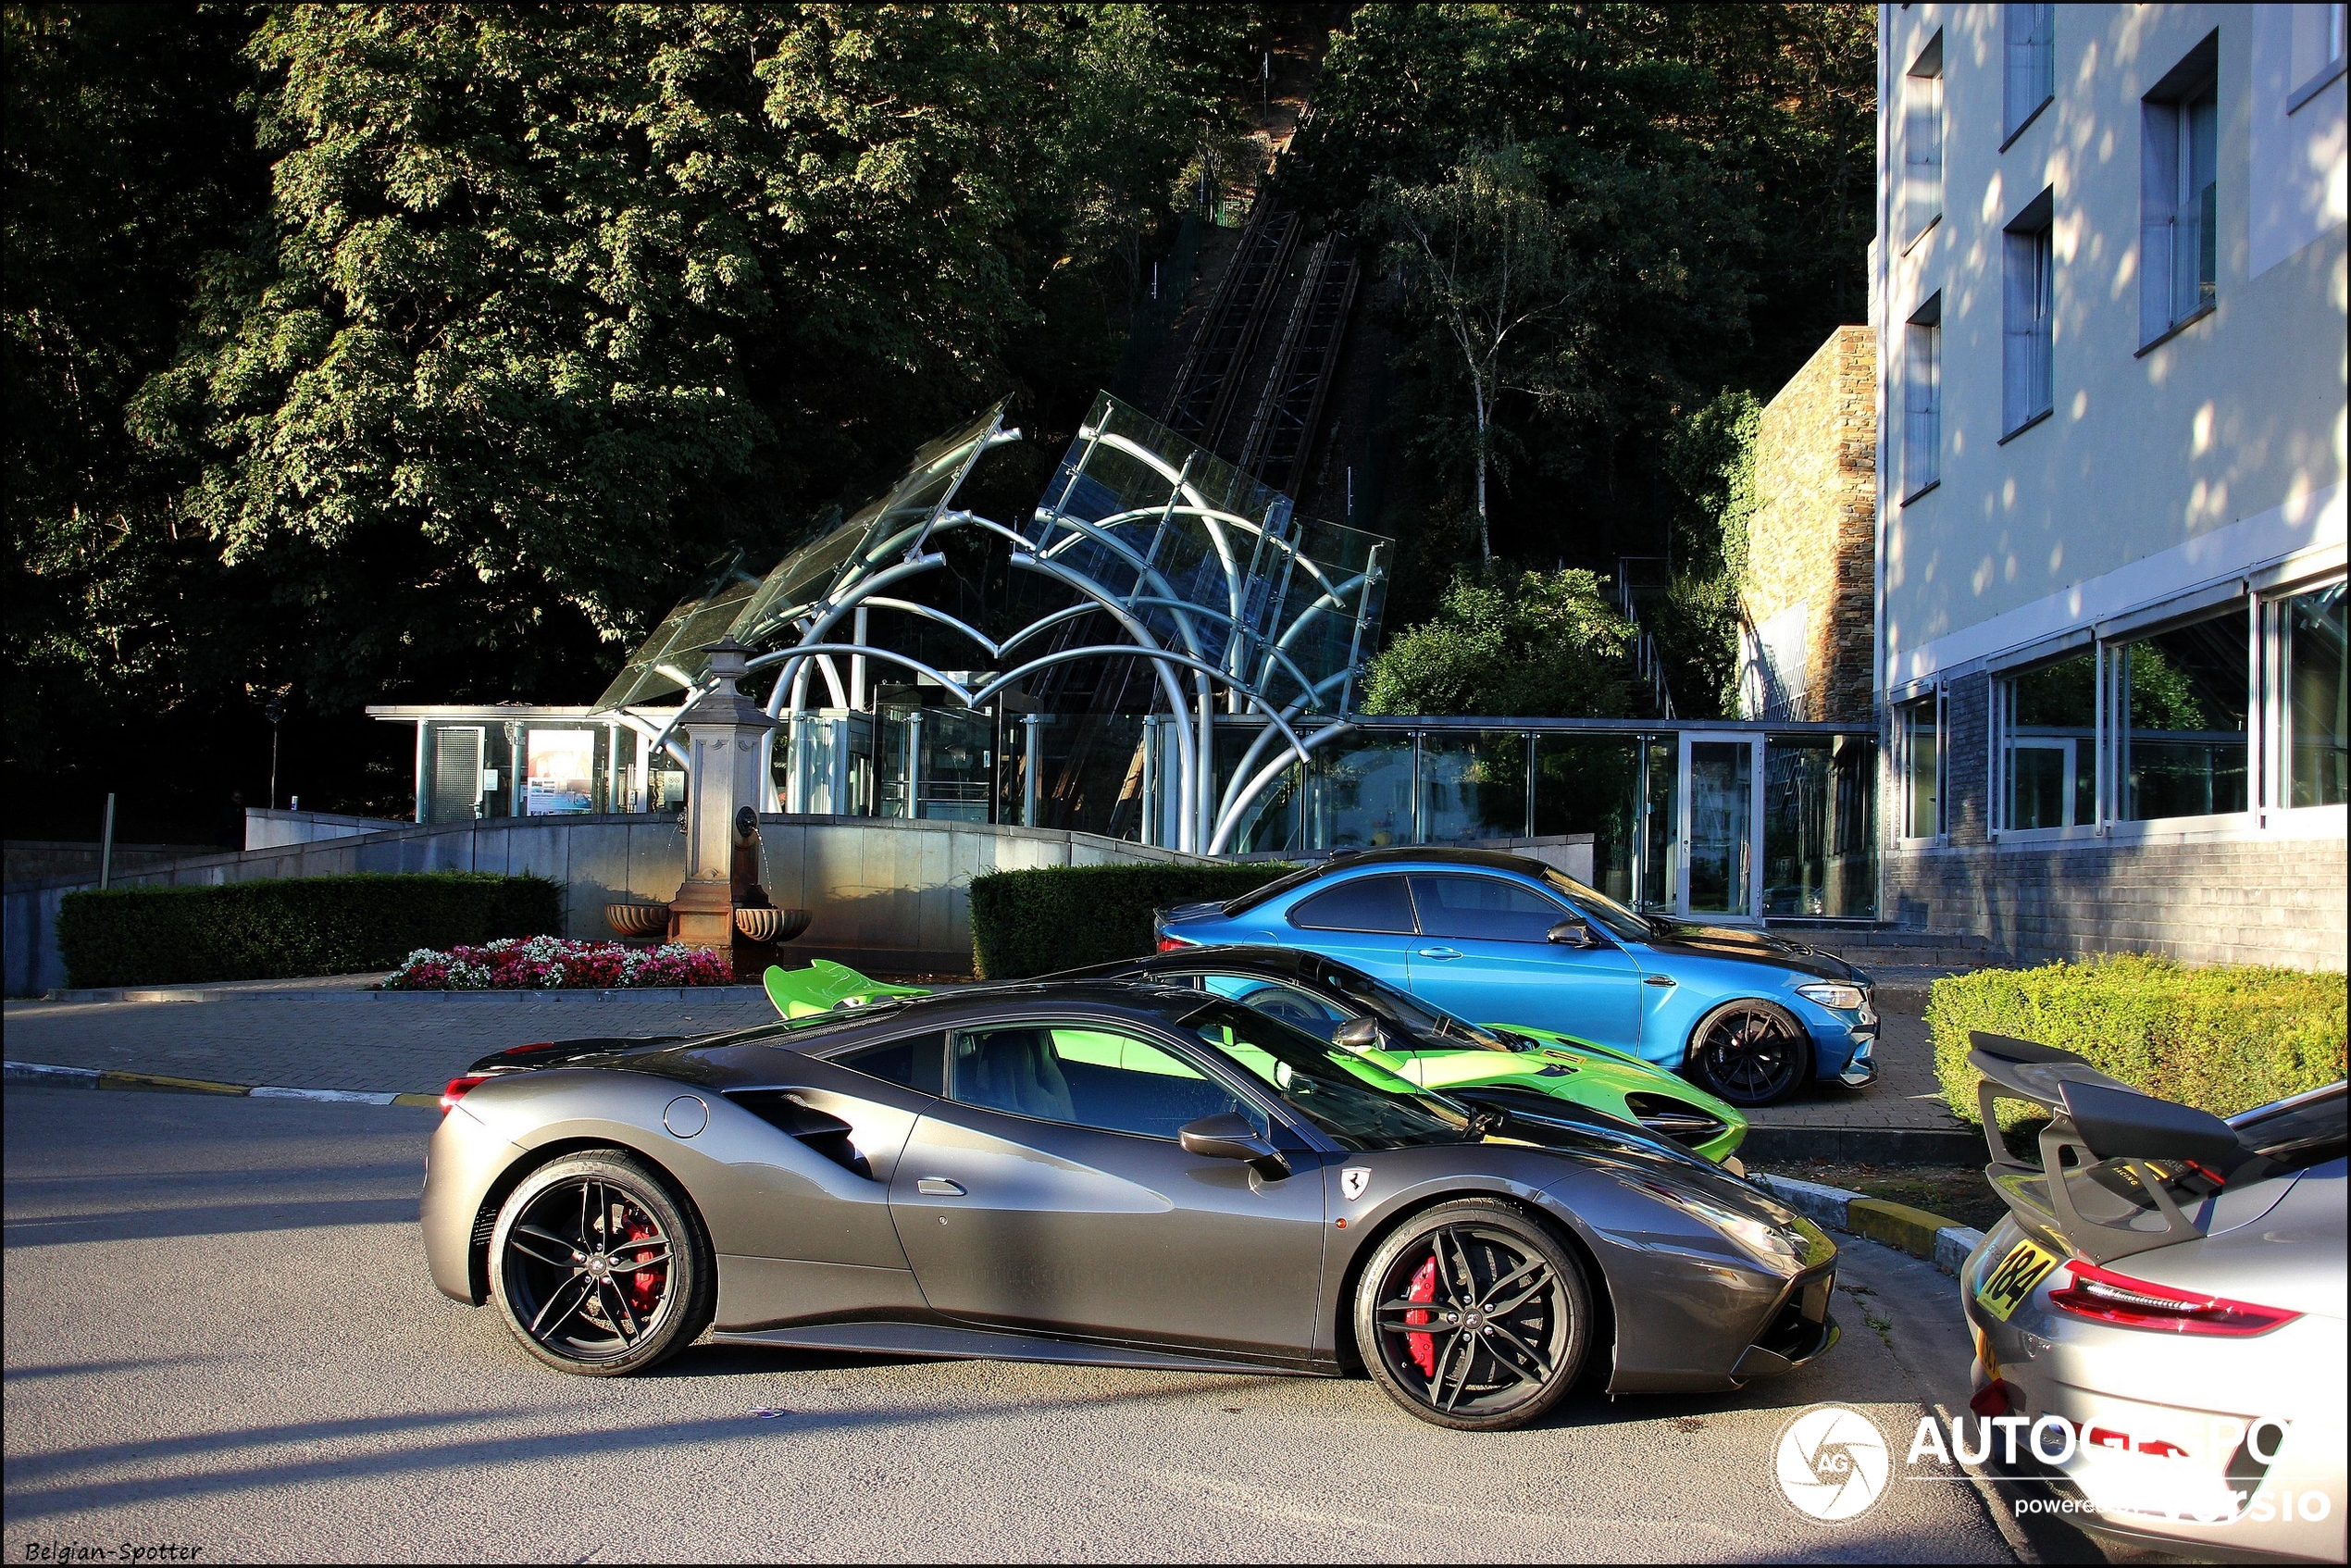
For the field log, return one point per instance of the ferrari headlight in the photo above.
(1768, 1244)
(1842, 999)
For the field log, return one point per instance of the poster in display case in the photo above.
(562, 777)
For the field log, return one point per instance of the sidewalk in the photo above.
(334, 1035)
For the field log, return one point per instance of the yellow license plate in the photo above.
(2026, 1265)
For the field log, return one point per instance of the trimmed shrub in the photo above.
(1067, 917)
(2224, 1039)
(301, 926)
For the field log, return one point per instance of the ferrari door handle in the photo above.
(1440, 952)
(1659, 981)
(938, 1187)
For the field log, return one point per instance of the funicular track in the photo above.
(1289, 405)
(1210, 378)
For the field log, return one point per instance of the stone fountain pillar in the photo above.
(725, 735)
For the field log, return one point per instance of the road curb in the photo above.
(99, 1078)
(1945, 1243)
(1862, 1145)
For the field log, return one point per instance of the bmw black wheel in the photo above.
(599, 1270)
(1473, 1315)
(1749, 1053)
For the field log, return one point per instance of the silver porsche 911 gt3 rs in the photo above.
(1122, 1174)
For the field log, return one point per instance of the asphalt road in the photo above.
(220, 1337)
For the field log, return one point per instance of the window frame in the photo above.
(1905, 774)
(2329, 68)
(2028, 325)
(2039, 42)
(2273, 732)
(1922, 116)
(1923, 386)
(2167, 145)
(2000, 732)
(1565, 911)
(1291, 915)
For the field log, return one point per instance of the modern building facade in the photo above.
(2109, 296)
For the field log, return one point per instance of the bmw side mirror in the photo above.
(1228, 1135)
(1572, 932)
(1359, 1034)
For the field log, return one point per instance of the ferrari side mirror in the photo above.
(1228, 1135)
(1572, 932)
(1359, 1034)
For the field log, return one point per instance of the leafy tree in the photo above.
(1481, 257)
(1525, 644)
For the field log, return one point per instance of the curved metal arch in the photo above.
(1240, 769)
(1265, 777)
(1066, 654)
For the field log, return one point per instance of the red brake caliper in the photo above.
(1423, 1346)
(644, 1286)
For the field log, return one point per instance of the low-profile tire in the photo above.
(598, 1267)
(1505, 1327)
(1750, 1052)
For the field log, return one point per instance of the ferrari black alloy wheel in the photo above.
(1473, 1315)
(1749, 1053)
(599, 1269)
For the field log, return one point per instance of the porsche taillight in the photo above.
(2107, 1297)
(459, 1088)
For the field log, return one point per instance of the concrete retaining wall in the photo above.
(884, 893)
(267, 829)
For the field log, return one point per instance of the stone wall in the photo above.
(1810, 584)
(884, 893)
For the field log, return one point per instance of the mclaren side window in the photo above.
(1365, 904)
(1087, 1077)
(1276, 999)
(919, 1063)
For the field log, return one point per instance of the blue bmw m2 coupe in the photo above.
(1506, 940)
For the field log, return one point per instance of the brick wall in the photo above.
(1812, 541)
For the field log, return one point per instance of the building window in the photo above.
(2317, 51)
(2048, 723)
(1922, 142)
(2032, 61)
(2178, 195)
(1923, 399)
(2311, 685)
(2028, 338)
(2185, 693)
(1918, 740)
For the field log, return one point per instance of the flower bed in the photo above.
(551, 963)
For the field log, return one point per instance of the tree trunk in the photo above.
(1484, 534)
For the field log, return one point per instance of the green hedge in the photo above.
(2225, 1039)
(1062, 917)
(301, 926)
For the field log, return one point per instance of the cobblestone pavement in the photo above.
(415, 1043)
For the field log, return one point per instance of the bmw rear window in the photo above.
(1273, 890)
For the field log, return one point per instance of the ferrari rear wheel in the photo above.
(1749, 1053)
(1473, 1315)
(597, 1268)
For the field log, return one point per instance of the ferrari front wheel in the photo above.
(1473, 1315)
(597, 1268)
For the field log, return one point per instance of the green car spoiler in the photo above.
(823, 985)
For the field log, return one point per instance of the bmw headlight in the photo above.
(1832, 995)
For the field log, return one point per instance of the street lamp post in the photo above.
(275, 712)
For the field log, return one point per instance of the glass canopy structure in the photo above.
(1154, 588)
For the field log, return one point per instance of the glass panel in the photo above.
(561, 771)
(2049, 750)
(1592, 784)
(1360, 794)
(1473, 785)
(1089, 773)
(2314, 686)
(835, 752)
(672, 658)
(1820, 842)
(2185, 690)
(1660, 775)
(1922, 770)
(1483, 909)
(1722, 818)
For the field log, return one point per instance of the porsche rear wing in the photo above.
(2114, 1199)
